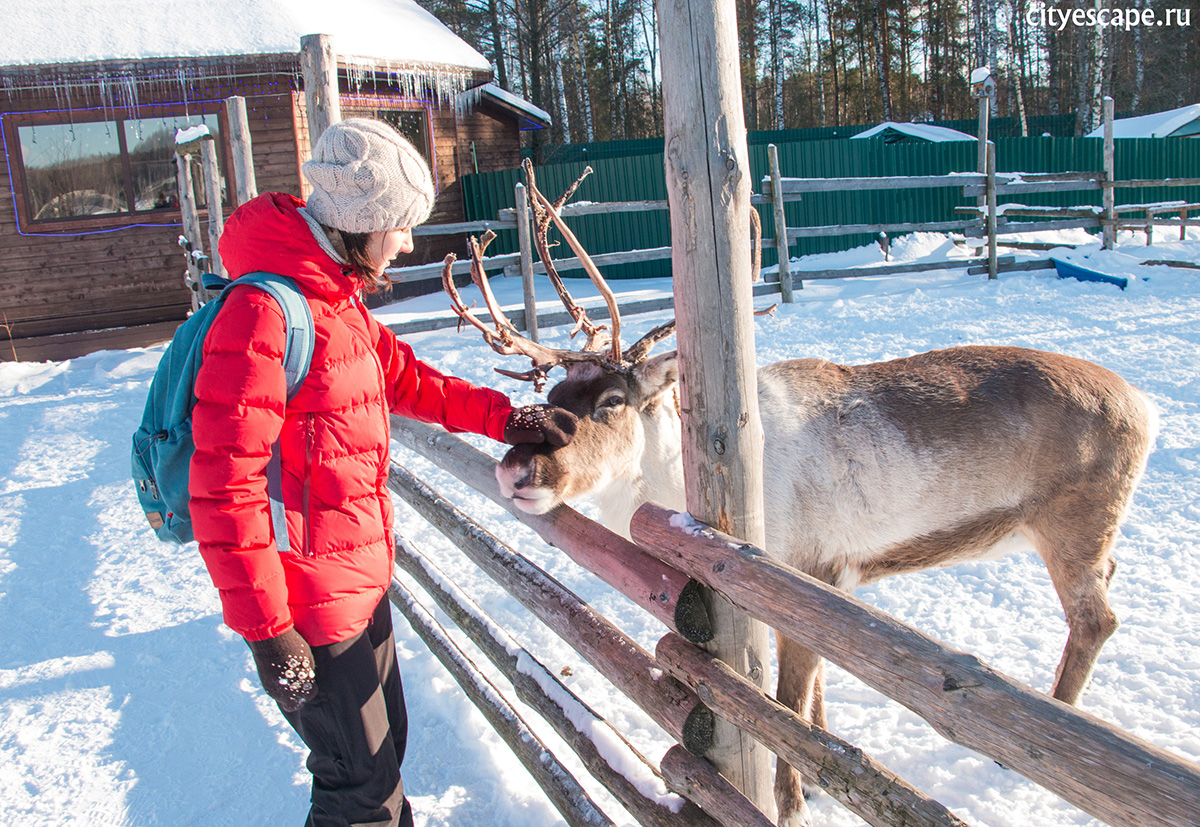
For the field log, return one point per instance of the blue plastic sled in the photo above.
(1068, 270)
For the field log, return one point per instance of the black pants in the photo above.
(356, 728)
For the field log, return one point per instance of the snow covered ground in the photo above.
(124, 701)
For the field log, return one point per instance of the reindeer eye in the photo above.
(614, 401)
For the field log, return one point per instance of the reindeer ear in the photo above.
(657, 376)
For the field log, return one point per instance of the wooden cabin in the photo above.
(89, 215)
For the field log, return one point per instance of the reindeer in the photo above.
(870, 470)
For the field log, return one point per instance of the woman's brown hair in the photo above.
(353, 248)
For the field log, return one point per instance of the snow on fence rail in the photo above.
(1095, 766)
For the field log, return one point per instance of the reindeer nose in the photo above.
(517, 470)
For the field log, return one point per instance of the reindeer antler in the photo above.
(544, 214)
(505, 339)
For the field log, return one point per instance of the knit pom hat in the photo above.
(367, 178)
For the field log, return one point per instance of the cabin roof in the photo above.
(83, 31)
(1181, 121)
(534, 115)
(919, 131)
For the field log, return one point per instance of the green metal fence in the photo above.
(1057, 126)
(641, 177)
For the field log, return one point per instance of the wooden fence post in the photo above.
(985, 110)
(212, 194)
(239, 142)
(190, 226)
(526, 245)
(1110, 194)
(991, 209)
(318, 61)
(782, 250)
(708, 187)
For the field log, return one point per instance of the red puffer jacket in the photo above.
(333, 437)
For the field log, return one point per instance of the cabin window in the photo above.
(111, 168)
(412, 124)
(72, 170)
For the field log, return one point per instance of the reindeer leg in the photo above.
(801, 688)
(1077, 554)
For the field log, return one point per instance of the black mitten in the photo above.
(285, 667)
(540, 423)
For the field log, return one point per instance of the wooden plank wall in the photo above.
(54, 281)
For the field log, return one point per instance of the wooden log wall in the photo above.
(110, 274)
(69, 276)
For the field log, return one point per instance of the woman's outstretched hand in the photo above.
(540, 423)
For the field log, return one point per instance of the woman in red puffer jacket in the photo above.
(316, 617)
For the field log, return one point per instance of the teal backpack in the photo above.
(162, 444)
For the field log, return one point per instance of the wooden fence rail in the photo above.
(1099, 768)
(855, 779)
(620, 659)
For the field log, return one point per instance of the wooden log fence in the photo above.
(1091, 764)
(1088, 762)
(991, 224)
(606, 754)
(563, 790)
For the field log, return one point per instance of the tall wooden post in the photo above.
(190, 216)
(525, 242)
(781, 240)
(246, 186)
(708, 188)
(212, 195)
(318, 62)
(985, 110)
(991, 209)
(1110, 169)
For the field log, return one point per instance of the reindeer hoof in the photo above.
(801, 817)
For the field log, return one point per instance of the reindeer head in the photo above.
(626, 401)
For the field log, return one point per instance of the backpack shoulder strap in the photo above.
(298, 320)
(297, 358)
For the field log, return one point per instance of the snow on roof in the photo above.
(980, 74)
(921, 131)
(515, 102)
(73, 31)
(1157, 125)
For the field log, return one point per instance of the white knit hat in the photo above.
(367, 178)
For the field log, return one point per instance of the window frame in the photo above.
(118, 117)
(373, 106)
